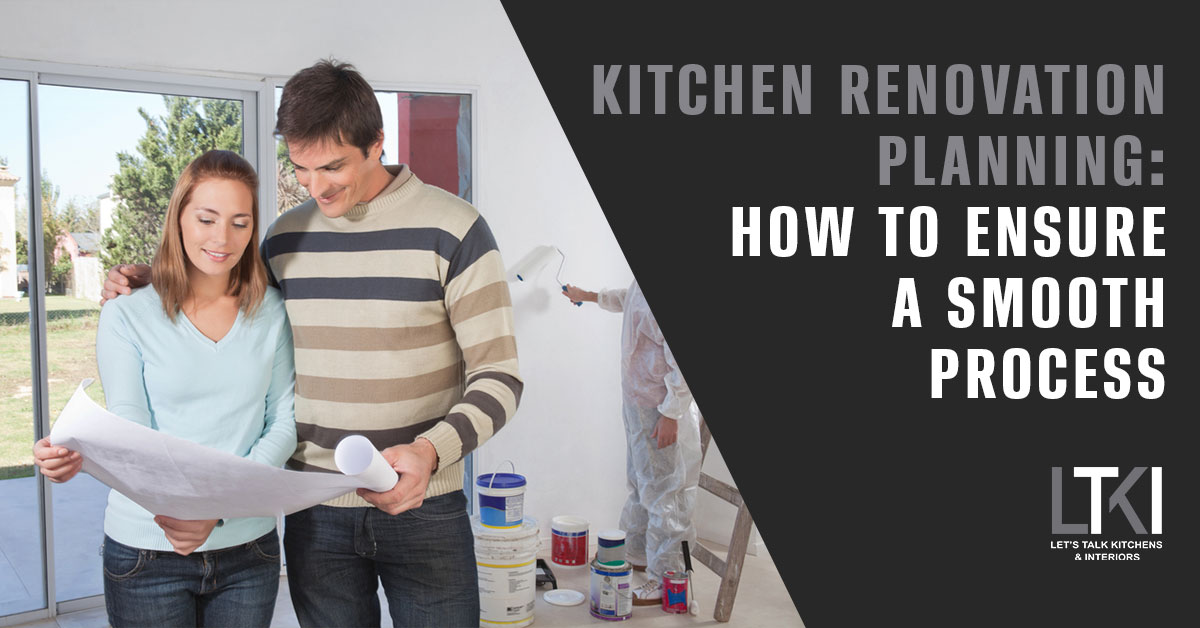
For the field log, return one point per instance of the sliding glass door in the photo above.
(87, 164)
(22, 578)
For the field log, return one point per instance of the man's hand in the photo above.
(415, 464)
(57, 463)
(666, 431)
(122, 279)
(185, 536)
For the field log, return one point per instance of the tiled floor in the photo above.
(762, 601)
(78, 533)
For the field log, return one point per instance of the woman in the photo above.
(204, 353)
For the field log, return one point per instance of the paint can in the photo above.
(569, 541)
(501, 499)
(612, 591)
(610, 547)
(675, 591)
(507, 564)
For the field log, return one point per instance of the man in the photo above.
(662, 436)
(403, 330)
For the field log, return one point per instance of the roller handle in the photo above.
(577, 303)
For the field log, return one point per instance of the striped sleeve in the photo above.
(477, 300)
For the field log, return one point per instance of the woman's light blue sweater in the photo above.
(235, 395)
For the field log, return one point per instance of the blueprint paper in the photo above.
(170, 476)
(357, 457)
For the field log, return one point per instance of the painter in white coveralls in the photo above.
(663, 441)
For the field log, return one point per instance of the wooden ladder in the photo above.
(730, 569)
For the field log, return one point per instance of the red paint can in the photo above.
(569, 541)
(675, 592)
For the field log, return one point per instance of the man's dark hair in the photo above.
(329, 101)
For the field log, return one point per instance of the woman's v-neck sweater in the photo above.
(234, 395)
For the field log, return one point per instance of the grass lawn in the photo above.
(71, 349)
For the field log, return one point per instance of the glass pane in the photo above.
(21, 576)
(105, 190)
(433, 135)
(429, 132)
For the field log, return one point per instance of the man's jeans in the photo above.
(425, 558)
(234, 586)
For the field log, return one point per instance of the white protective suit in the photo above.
(657, 516)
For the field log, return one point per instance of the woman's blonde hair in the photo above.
(247, 280)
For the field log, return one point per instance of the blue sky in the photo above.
(81, 131)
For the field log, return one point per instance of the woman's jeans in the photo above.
(234, 586)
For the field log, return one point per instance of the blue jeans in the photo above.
(234, 586)
(425, 557)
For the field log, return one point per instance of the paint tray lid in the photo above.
(563, 597)
(502, 480)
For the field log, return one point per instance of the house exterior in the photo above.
(8, 234)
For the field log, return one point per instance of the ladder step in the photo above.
(721, 489)
(709, 559)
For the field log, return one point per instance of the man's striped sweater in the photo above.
(402, 324)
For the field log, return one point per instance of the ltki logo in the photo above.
(1117, 499)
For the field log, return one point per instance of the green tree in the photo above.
(53, 226)
(22, 249)
(288, 192)
(77, 217)
(144, 181)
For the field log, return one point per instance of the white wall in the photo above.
(567, 437)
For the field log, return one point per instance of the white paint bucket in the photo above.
(501, 499)
(506, 561)
(612, 591)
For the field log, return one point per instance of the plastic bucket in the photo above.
(507, 564)
(569, 541)
(610, 547)
(501, 499)
(611, 591)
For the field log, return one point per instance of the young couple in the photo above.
(378, 307)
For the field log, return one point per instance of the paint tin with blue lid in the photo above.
(501, 499)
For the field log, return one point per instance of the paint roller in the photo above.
(535, 260)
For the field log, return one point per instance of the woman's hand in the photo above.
(57, 463)
(185, 536)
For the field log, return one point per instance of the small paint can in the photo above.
(501, 499)
(569, 541)
(610, 547)
(675, 591)
(611, 591)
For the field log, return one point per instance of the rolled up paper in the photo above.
(356, 456)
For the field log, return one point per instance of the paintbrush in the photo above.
(693, 604)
